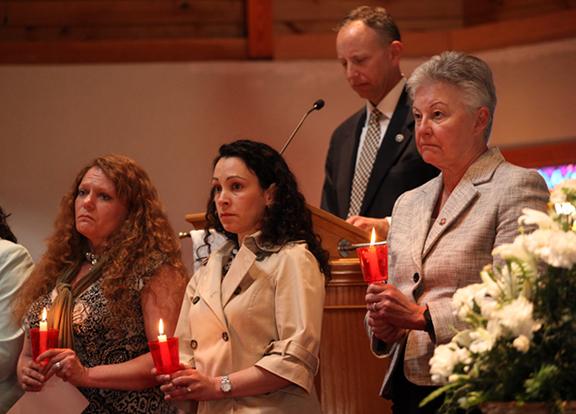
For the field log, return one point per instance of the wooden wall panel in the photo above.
(476, 12)
(124, 32)
(122, 17)
(542, 155)
(107, 12)
(315, 16)
(547, 27)
(173, 50)
(280, 29)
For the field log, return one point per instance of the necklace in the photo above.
(91, 258)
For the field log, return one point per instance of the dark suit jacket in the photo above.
(398, 166)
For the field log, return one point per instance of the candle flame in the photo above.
(160, 327)
(44, 315)
(373, 237)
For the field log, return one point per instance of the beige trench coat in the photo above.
(266, 312)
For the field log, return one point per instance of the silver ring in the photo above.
(374, 308)
(188, 389)
(58, 365)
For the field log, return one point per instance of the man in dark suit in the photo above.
(357, 186)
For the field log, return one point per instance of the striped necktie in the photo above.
(365, 162)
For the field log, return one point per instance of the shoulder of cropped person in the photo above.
(10, 248)
(15, 264)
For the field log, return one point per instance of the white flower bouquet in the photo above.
(520, 344)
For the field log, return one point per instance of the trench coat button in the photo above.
(193, 344)
(442, 221)
(225, 336)
(195, 300)
(416, 277)
(237, 290)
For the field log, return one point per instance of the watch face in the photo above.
(225, 384)
(226, 387)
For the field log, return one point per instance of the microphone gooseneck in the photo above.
(319, 104)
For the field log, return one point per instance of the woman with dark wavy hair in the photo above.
(250, 323)
(111, 271)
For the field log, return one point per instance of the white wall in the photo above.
(172, 117)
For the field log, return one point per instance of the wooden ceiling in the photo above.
(87, 31)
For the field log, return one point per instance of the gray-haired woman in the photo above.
(443, 232)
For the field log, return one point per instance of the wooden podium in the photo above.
(349, 378)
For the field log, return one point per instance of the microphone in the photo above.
(319, 104)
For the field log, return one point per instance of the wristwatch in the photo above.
(225, 384)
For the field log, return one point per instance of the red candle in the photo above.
(43, 345)
(374, 261)
(163, 345)
(164, 352)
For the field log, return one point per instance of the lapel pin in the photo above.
(399, 138)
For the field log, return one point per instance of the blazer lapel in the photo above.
(422, 216)
(350, 146)
(237, 272)
(390, 149)
(460, 198)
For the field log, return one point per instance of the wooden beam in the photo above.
(334, 11)
(479, 12)
(100, 33)
(172, 50)
(260, 42)
(259, 27)
(542, 155)
(312, 46)
(541, 28)
(553, 26)
(78, 13)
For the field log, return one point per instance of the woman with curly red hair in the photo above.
(111, 271)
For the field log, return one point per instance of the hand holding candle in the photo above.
(164, 352)
(374, 261)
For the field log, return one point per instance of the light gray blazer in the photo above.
(430, 259)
